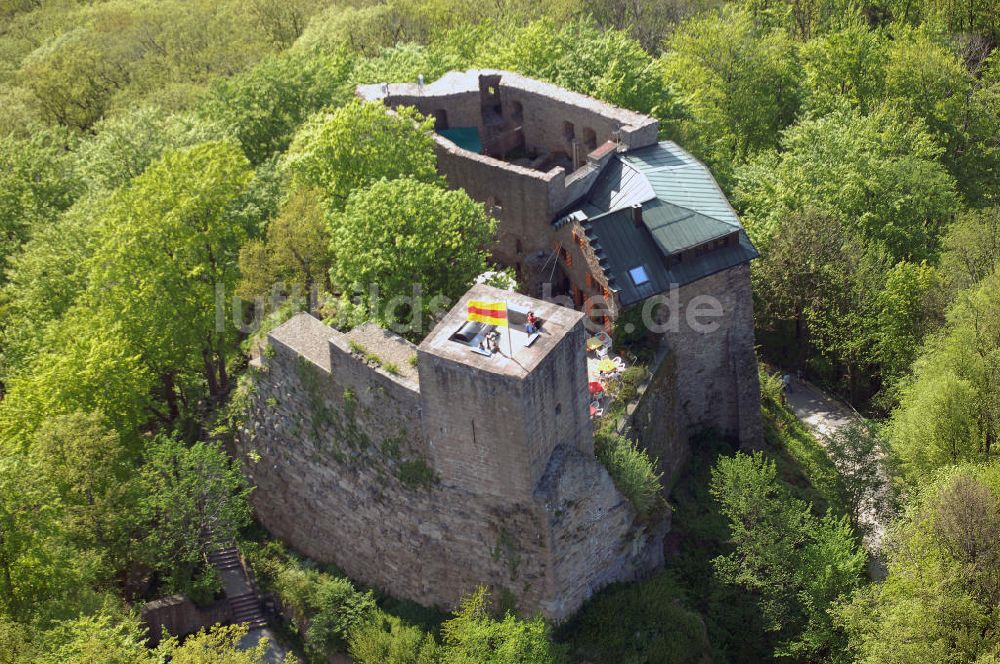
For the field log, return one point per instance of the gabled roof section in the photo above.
(620, 185)
(682, 205)
(682, 208)
(621, 246)
(676, 228)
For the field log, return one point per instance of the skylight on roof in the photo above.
(638, 274)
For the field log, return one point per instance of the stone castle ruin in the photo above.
(590, 205)
(429, 470)
(465, 469)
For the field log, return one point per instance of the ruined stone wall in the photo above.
(527, 198)
(717, 384)
(178, 616)
(461, 109)
(554, 118)
(341, 479)
(346, 473)
(491, 433)
(656, 421)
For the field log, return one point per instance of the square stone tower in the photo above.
(492, 421)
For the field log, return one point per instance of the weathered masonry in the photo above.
(429, 470)
(591, 205)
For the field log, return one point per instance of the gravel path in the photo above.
(824, 415)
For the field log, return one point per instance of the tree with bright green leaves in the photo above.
(473, 635)
(122, 146)
(87, 363)
(295, 253)
(282, 20)
(908, 308)
(357, 145)
(409, 239)
(819, 291)
(37, 182)
(110, 635)
(927, 78)
(114, 635)
(73, 75)
(647, 21)
(222, 644)
(326, 609)
(803, 20)
(263, 106)
(797, 565)
(606, 64)
(970, 250)
(171, 228)
(45, 278)
(847, 65)
(938, 603)
(406, 61)
(41, 575)
(718, 65)
(949, 412)
(389, 640)
(880, 174)
(90, 470)
(193, 500)
(977, 19)
(859, 451)
(364, 30)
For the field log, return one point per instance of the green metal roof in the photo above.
(676, 228)
(682, 207)
(677, 177)
(620, 246)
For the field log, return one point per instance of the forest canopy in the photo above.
(157, 156)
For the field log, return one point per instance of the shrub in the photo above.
(771, 387)
(388, 640)
(416, 473)
(475, 636)
(205, 585)
(633, 472)
(322, 607)
(639, 622)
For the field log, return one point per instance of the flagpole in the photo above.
(510, 343)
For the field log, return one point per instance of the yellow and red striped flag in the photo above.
(491, 313)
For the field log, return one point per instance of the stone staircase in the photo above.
(241, 590)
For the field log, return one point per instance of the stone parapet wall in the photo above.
(177, 615)
(523, 199)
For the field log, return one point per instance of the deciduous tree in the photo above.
(410, 239)
(358, 144)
